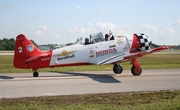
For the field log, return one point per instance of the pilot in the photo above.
(111, 35)
(87, 41)
(106, 37)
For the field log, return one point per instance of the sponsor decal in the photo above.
(66, 57)
(30, 47)
(65, 53)
(91, 53)
(106, 52)
(91, 56)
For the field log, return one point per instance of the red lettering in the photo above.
(106, 52)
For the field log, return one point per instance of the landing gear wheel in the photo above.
(35, 74)
(136, 71)
(117, 69)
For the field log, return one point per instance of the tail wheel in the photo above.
(136, 71)
(35, 74)
(117, 69)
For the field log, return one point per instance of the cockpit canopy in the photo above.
(96, 37)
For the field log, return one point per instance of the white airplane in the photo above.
(114, 50)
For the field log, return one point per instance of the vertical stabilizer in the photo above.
(24, 49)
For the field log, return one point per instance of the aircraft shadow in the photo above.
(100, 78)
(6, 77)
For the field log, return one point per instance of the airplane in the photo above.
(99, 52)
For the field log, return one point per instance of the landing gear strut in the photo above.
(35, 74)
(136, 69)
(117, 69)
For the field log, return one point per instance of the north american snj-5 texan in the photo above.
(101, 50)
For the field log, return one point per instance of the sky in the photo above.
(63, 21)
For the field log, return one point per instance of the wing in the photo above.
(142, 53)
(131, 56)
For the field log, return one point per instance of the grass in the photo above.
(157, 100)
(152, 61)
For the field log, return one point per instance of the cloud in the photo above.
(90, 28)
(170, 31)
(129, 27)
(67, 35)
(103, 10)
(174, 24)
(41, 29)
(26, 17)
(20, 18)
(89, 24)
(162, 36)
(3, 6)
(148, 27)
(58, 35)
(178, 21)
(79, 7)
(107, 26)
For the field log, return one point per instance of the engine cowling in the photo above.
(140, 42)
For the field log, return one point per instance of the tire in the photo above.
(136, 71)
(117, 69)
(35, 74)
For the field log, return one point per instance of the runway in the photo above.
(88, 82)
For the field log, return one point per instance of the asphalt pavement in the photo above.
(18, 85)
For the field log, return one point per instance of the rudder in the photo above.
(24, 49)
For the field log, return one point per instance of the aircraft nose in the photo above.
(141, 42)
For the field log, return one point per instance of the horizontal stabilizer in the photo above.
(36, 57)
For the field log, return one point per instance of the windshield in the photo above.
(79, 41)
(97, 37)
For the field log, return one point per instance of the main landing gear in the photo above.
(136, 69)
(35, 74)
(117, 68)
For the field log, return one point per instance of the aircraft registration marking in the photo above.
(20, 49)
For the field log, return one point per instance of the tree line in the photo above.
(9, 44)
